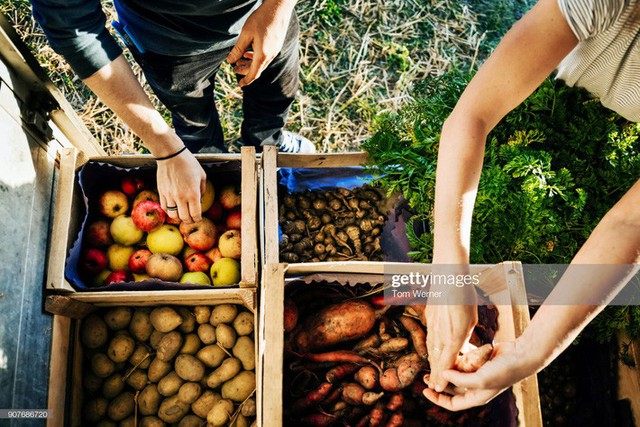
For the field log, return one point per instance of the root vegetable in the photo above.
(395, 402)
(389, 380)
(191, 344)
(204, 403)
(121, 348)
(102, 366)
(393, 345)
(121, 407)
(172, 409)
(151, 422)
(239, 387)
(248, 407)
(376, 416)
(341, 371)
(352, 393)
(243, 323)
(91, 381)
(312, 398)
(113, 386)
(155, 338)
(367, 377)
(189, 392)
(117, 318)
(336, 323)
(202, 314)
(191, 421)
(211, 355)
(149, 400)
(337, 356)
(371, 397)
(418, 335)
(137, 379)
(289, 257)
(473, 360)
(318, 420)
(207, 333)
(354, 236)
(170, 384)
(372, 341)
(158, 369)
(189, 368)
(188, 320)
(169, 346)
(225, 335)
(290, 315)
(141, 357)
(94, 332)
(395, 420)
(95, 409)
(223, 313)
(227, 370)
(165, 319)
(244, 350)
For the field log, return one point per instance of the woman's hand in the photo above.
(181, 181)
(507, 366)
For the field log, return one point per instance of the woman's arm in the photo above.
(528, 53)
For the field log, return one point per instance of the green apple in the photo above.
(225, 272)
(139, 277)
(98, 279)
(165, 239)
(197, 277)
(118, 256)
(206, 200)
(124, 231)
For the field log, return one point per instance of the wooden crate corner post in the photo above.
(249, 236)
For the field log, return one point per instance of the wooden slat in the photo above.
(249, 236)
(629, 376)
(270, 177)
(60, 340)
(332, 160)
(65, 306)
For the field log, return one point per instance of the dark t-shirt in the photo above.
(76, 28)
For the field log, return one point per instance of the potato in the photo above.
(220, 413)
(158, 369)
(170, 384)
(189, 368)
(223, 313)
(155, 339)
(149, 400)
(248, 408)
(141, 357)
(202, 314)
(151, 422)
(225, 335)
(211, 356)
(117, 318)
(245, 351)
(101, 365)
(91, 381)
(239, 387)
(121, 348)
(140, 325)
(165, 319)
(95, 409)
(240, 421)
(128, 422)
(172, 409)
(121, 407)
(243, 323)
(204, 403)
(190, 392)
(207, 333)
(229, 369)
(94, 332)
(169, 346)
(107, 423)
(188, 320)
(191, 344)
(191, 421)
(138, 379)
(113, 386)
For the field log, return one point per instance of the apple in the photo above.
(124, 231)
(93, 260)
(130, 185)
(234, 219)
(196, 277)
(118, 276)
(98, 279)
(118, 256)
(98, 235)
(139, 277)
(215, 212)
(230, 244)
(172, 221)
(213, 254)
(225, 272)
(146, 195)
(164, 267)
(230, 197)
(165, 239)
(138, 260)
(198, 262)
(113, 203)
(201, 235)
(206, 200)
(148, 215)
(187, 251)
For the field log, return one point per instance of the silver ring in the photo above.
(172, 208)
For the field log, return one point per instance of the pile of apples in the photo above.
(135, 239)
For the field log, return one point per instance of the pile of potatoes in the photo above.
(160, 366)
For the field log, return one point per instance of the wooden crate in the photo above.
(65, 381)
(69, 206)
(506, 278)
(629, 376)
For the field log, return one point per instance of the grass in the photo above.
(359, 59)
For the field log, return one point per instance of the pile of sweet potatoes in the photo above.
(352, 361)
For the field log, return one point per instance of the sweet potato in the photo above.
(352, 393)
(473, 360)
(408, 368)
(395, 420)
(290, 315)
(393, 345)
(337, 356)
(395, 402)
(318, 420)
(371, 397)
(389, 380)
(336, 323)
(339, 372)
(314, 397)
(418, 335)
(367, 377)
(376, 416)
(372, 341)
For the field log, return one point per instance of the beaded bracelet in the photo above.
(172, 155)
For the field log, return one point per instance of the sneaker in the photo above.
(292, 143)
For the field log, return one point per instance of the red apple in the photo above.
(113, 203)
(198, 262)
(130, 185)
(98, 234)
(148, 215)
(215, 212)
(213, 254)
(146, 195)
(234, 219)
(201, 235)
(230, 197)
(93, 260)
(118, 276)
(138, 261)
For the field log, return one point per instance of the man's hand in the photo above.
(181, 181)
(264, 32)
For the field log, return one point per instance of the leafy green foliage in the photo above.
(553, 167)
